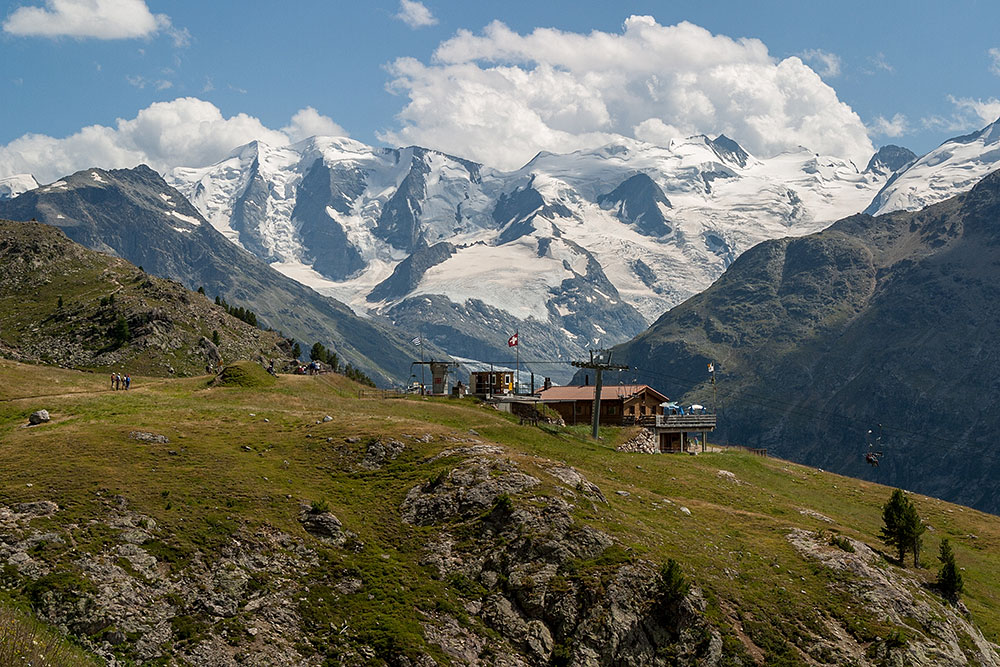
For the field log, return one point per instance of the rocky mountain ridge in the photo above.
(572, 250)
(134, 214)
(626, 230)
(887, 320)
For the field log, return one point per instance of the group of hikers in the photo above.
(120, 381)
(312, 368)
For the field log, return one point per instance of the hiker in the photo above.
(117, 381)
(112, 381)
(128, 381)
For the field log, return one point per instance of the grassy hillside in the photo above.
(61, 303)
(191, 524)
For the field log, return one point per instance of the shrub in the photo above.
(842, 542)
(671, 585)
(319, 506)
(119, 332)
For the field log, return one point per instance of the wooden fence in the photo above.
(381, 393)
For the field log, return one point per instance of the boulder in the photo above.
(325, 526)
(148, 437)
(39, 417)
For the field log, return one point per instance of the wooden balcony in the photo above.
(685, 423)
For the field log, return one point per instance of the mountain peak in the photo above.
(889, 159)
(729, 150)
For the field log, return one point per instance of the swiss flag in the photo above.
(512, 341)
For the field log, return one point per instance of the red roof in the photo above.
(608, 392)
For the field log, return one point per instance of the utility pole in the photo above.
(599, 363)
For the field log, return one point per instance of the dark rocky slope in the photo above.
(892, 320)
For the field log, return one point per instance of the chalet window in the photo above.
(631, 409)
(642, 409)
(581, 408)
(612, 409)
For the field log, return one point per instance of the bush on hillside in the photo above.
(245, 374)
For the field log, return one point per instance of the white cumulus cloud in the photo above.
(96, 19)
(896, 126)
(500, 97)
(415, 14)
(995, 57)
(830, 62)
(184, 132)
(310, 123)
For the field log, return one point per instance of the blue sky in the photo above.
(914, 73)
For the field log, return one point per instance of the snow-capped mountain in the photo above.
(12, 186)
(951, 168)
(574, 250)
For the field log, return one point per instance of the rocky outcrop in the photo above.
(936, 633)
(324, 525)
(534, 591)
(378, 452)
(139, 598)
(144, 436)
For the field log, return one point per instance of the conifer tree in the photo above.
(949, 580)
(902, 527)
(318, 352)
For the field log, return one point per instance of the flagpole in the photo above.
(715, 391)
(517, 363)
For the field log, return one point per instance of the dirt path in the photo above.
(95, 392)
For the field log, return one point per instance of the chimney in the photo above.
(547, 384)
(586, 380)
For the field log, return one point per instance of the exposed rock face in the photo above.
(945, 636)
(133, 593)
(638, 201)
(467, 490)
(38, 417)
(378, 452)
(521, 561)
